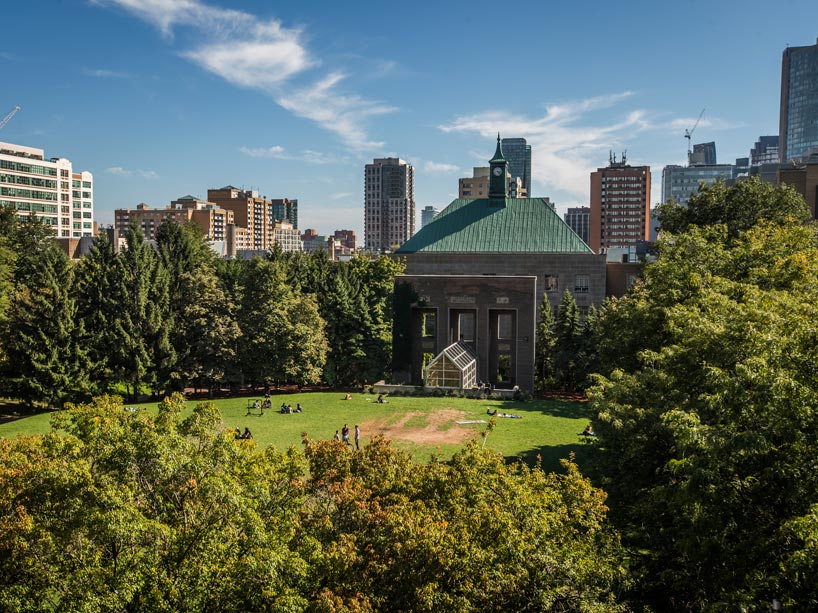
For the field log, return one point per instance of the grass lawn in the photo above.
(421, 425)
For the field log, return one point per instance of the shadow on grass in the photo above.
(554, 408)
(551, 455)
(11, 410)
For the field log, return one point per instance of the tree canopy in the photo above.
(130, 511)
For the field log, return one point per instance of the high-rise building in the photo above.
(284, 209)
(620, 205)
(579, 219)
(346, 238)
(427, 215)
(518, 154)
(798, 119)
(250, 211)
(679, 182)
(50, 189)
(704, 154)
(389, 203)
(765, 151)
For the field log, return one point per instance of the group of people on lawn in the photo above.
(344, 436)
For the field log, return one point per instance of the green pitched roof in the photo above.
(523, 225)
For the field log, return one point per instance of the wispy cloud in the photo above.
(342, 114)
(104, 74)
(278, 152)
(340, 195)
(570, 139)
(262, 54)
(440, 167)
(122, 172)
(566, 144)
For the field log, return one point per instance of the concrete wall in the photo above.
(565, 266)
(447, 296)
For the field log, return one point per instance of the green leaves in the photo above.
(707, 433)
(129, 511)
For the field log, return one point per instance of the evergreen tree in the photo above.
(546, 343)
(44, 361)
(144, 353)
(347, 324)
(98, 307)
(568, 330)
(207, 330)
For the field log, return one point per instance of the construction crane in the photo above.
(6, 119)
(689, 133)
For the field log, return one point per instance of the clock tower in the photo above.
(498, 184)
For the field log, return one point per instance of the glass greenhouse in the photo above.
(454, 367)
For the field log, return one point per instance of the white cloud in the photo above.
(566, 145)
(342, 114)
(278, 152)
(105, 74)
(440, 167)
(340, 195)
(251, 52)
(122, 172)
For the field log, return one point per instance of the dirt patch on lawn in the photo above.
(439, 427)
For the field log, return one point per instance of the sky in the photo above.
(164, 98)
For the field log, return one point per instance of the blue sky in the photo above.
(162, 98)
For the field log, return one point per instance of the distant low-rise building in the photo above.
(287, 237)
(346, 238)
(313, 241)
(804, 178)
(212, 219)
(477, 186)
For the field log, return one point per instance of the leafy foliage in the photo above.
(131, 512)
(738, 207)
(706, 418)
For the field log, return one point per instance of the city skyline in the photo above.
(161, 99)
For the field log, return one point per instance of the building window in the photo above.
(429, 328)
(465, 326)
(551, 283)
(504, 326)
(581, 284)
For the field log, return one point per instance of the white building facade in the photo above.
(48, 188)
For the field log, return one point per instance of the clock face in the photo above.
(497, 171)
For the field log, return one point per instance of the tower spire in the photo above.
(498, 153)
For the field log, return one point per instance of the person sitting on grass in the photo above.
(348, 396)
(247, 434)
(380, 399)
(589, 431)
(299, 408)
(490, 412)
